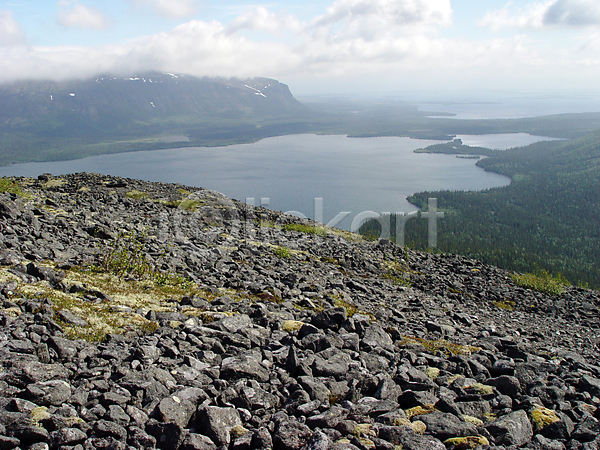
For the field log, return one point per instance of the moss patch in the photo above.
(509, 305)
(419, 411)
(282, 252)
(440, 345)
(306, 229)
(482, 389)
(10, 186)
(542, 417)
(137, 194)
(107, 302)
(542, 281)
(467, 442)
(291, 325)
(432, 372)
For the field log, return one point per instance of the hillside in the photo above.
(546, 219)
(148, 315)
(76, 118)
(49, 121)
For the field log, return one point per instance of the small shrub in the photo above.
(282, 252)
(125, 256)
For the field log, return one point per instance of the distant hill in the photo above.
(47, 120)
(44, 120)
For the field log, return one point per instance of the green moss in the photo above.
(282, 252)
(509, 305)
(10, 186)
(137, 194)
(542, 281)
(434, 346)
(189, 205)
(467, 442)
(542, 417)
(397, 272)
(36, 415)
(419, 411)
(340, 302)
(480, 388)
(307, 229)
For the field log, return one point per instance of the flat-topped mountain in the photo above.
(116, 103)
(150, 315)
(42, 120)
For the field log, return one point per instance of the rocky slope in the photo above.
(147, 315)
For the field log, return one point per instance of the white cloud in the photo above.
(572, 13)
(81, 16)
(175, 9)
(261, 19)
(10, 31)
(369, 19)
(389, 44)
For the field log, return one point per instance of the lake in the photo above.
(350, 174)
(502, 141)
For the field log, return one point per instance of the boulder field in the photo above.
(140, 315)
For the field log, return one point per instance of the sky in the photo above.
(315, 47)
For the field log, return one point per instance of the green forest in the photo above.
(545, 220)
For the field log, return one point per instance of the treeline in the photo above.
(546, 219)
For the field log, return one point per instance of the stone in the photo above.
(291, 435)
(216, 423)
(244, 366)
(47, 393)
(445, 425)
(511, 429)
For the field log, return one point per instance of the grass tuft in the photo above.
(282, 252)
(542, 281)
(10, 186)
(307, 229)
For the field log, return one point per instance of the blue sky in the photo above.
(335, 46)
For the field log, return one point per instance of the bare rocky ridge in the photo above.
(244, 330)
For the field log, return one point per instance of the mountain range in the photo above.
(144, 110)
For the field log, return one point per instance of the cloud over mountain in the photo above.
(356, 42)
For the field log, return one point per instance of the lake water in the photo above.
(502, 141)
(511, 105)
(350, 174)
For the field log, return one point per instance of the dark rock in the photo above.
(244, 366)
(318, 441)
(67, 436)
(216, 423)
(46, 393)
(445, 425)
(511, 429)
(197, 442)
(291, 435)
